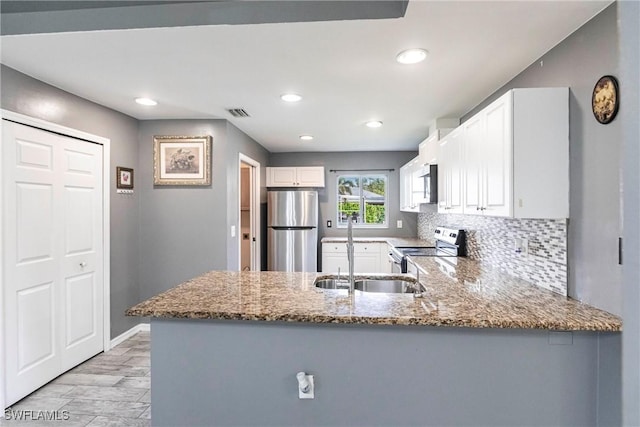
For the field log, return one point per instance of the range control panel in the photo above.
(452, 236)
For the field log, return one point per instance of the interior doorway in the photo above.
(249, 214)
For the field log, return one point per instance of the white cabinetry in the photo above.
(450, 176)
(412, 182)
(487, 160)
(367, 258)
(512, 158)
(407, 186)
(428, 149)
(309, 176)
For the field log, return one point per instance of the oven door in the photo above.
(396, 264)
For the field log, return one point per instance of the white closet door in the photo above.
(81, 282)
(52, 219)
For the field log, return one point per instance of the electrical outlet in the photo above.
(522, 246)
(399, 223)
(329, 224)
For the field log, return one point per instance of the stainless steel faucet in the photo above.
(350, 253)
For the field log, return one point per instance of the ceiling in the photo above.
(344, 69)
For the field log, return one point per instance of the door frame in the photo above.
(106, 221)
(254, 202)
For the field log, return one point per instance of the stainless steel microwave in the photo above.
(429, 174)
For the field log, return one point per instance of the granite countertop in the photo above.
(468, 296)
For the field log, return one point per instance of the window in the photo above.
(364, 197)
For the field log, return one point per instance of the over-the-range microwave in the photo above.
(429, 174)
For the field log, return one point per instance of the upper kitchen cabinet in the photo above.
(414, 174)
(410, 186)
(307, 176)
(515, 156)
(429, 148)
(450, 173)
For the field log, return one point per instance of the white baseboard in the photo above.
(141, 327)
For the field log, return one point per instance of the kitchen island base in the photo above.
(243, 373)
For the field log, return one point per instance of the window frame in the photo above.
(360, 176)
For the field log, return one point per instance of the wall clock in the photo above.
(605, 99)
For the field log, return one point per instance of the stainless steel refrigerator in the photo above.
(292, 231)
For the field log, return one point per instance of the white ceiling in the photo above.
(345, 70)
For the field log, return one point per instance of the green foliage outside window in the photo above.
(362, 197)
(374, 214)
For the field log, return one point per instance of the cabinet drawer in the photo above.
(334, 248)
(366, 248)
(357, 247)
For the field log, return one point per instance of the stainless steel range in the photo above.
(450, 244)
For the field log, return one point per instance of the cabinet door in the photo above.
(310, 176)
(498, 142)
(367, 263)
(417, 187)
(428, 150)
(281, 177)
(452, 162)
(334, 258)
(367, 257)
(334, 262)
(457, 185)
(444, 176)
(405, 187)
(473, 165)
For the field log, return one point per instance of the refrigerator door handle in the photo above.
(291, 228)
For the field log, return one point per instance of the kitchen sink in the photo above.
(389, 286)
(385, 286)
(331, 284)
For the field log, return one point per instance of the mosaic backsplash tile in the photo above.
(491, 240)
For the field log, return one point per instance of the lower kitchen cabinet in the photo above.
(368, 258)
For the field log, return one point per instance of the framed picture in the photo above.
(182, 160)
(124, 177)
(605, 99)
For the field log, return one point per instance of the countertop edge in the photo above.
(382, 321)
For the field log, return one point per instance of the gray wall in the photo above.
(629, 12)
(380, 375)
(25, 95)
(185, 231)
(349, 161)
(595, 156)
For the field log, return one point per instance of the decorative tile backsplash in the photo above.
(491, 240)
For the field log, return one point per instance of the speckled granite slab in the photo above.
(467, 296)
(394, 241)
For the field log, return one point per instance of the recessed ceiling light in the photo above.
(306, 137)
(374, 123)
(411, 56)
(290, 97)
(146, 101)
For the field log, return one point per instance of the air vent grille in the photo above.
(238, 112)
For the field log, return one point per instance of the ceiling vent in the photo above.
(238, 112)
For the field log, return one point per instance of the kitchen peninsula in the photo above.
(481, 348)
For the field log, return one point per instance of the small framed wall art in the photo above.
(124, 178)
(605, 99)
(182, 160)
